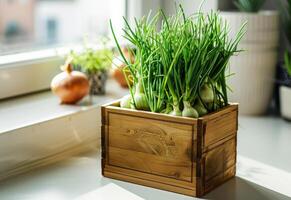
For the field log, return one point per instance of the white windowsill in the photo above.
(36, 108)
(16, 58)
(36, 130)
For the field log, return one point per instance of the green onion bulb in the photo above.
(176, 111)
(199, 107)
(207, 94)
(189, 111)
(125, 102)
(140, 99)
(167, 110)
(141, 102)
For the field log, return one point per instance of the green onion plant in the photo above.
(179, 66)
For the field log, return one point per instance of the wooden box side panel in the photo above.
(219, 127)
(219, 165)
(218, 136)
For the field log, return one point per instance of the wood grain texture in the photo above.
(219, 159)
(139, 161)
(154, 184)
(151, 177)
(152, 146)
(220, 127)
(184, 155)
(150, 115)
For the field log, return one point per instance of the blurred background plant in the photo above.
(95, 62)
(285, 8)
(249, 5)
(284, 71)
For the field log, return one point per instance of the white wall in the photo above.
(140, 8)
(190, 6)
(78, 18)
(65, 13)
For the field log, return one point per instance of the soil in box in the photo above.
(183, 155)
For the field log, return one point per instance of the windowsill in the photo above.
(27, 72)
(23, 57)
(36, 108)
(36, 130)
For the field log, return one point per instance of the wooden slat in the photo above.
(173, 168)
(163, 186)
(151, 115)
(152, 177)
(220, 127)
(219, 179)
(230, 108)
(220, 142)
(103, 147)
(219, 159)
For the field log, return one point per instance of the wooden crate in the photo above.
(183, 155)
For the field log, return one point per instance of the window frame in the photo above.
(27, 72)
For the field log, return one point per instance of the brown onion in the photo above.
(70, 86)
(119, 76)
(118, 73)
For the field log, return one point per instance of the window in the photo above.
(32, 30)
(27, 25)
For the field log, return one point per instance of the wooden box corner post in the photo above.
(183, 155)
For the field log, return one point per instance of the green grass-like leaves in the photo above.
(287, 63)
(173, 61)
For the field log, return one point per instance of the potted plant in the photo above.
(285, 89)
(176, 130)
(256, 65)
(95, 63)
(285, 70)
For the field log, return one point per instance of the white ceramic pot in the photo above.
(255, 67)
(285, 100)
(262, 27)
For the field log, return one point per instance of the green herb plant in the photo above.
(252, 6)
(287, 63)
(91, 60)
(180, 66)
